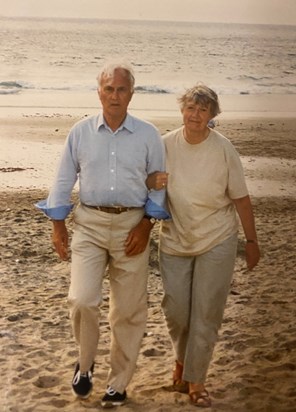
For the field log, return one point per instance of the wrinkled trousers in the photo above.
(195, 294)
(97, 243)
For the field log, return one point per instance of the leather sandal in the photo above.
(200, 398)
(178, 384)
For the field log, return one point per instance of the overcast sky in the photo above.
(237, 11)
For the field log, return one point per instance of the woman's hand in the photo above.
(244, 209)
(157, 180)
(252, 254)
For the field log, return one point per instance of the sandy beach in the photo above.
(254, 364)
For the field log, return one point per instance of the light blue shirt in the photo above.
(111, 167)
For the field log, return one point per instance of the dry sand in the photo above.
(254, 364)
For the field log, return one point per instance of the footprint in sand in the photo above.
(46, 382)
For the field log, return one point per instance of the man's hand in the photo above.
(138, 238)
(60, 238)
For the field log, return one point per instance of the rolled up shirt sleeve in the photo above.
(156, 202)
(58, 205)
(54, 213)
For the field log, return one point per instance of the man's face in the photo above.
(115, 94)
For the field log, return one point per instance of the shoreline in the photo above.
(31, 145)
(145, 105)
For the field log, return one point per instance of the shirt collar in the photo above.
(128, 123)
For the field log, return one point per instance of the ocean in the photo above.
(53, 63)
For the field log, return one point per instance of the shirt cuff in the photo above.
(154, 210)
(55, 213)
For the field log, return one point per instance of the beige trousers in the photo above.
(98, 241)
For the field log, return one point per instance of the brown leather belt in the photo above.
(110, 209)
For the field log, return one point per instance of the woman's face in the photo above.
(196, 116)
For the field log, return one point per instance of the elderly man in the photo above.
(111, 155)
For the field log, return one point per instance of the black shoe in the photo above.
(113, 398)
(82, 382)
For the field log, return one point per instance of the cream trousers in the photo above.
(98, 243)
(196, 289)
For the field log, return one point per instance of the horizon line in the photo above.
(142, 20)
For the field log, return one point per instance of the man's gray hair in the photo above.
(110, 67)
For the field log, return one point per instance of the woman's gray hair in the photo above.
(202, 95)
(109, 69)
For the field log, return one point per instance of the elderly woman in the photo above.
(206, 191)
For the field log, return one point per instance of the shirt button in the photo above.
(112, 188)
(112, 170)
(113, 153)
